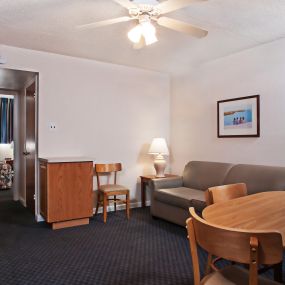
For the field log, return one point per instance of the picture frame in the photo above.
(239, 117)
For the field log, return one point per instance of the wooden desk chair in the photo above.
(225, 192)
(108, 190)
(248, 247)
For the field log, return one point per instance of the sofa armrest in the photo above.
(169, 182)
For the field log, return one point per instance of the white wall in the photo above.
(194, 108)
(105, 111)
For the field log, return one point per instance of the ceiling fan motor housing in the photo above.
(144, 9)
(149, 2)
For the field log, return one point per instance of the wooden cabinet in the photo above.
(43, 189)
(66, 191)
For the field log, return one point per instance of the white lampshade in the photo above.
(158, 146)
(145, 29)
(149, 33)
(135, 34)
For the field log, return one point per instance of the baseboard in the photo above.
(22, 201)
(39, 218)
(122, 207)
(15, 195)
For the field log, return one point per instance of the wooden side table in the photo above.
(145, 179)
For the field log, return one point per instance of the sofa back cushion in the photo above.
(203, 174)
(258, 178)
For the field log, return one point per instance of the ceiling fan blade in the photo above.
(126, 3)
(172, 5)
(181, 27)
(105, 23)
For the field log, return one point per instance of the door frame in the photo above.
(29, 83)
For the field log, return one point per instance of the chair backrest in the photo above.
(225, 192)
(248, 247)
(107, 169)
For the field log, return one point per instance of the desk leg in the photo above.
(143, 193)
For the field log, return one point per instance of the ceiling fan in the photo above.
(146, 12)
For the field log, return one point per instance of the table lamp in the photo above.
(159, 148)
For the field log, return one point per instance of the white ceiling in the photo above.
(50, 25)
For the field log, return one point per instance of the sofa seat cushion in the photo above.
(182, 197)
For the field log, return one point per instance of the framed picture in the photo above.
(239, 117)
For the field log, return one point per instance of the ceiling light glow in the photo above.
(145, 29)
(149, 32)
(135, 34)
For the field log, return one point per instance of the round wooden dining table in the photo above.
(262, 211)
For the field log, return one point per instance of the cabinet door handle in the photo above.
(26, 153)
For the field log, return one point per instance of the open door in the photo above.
(30, 145)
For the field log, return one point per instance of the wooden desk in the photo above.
(262, 211)
(66, 191)
(145, 179)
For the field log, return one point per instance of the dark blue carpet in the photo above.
(139, 251)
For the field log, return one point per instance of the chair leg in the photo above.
(98, 203)
(115, 203)
(105, 204)
(208, 268)
(128, 205)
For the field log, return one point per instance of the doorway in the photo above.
(23, 86)
(6, 146)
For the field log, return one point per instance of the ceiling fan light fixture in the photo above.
(145, 29)
(147, 12)
(149, 32)
(135, 34)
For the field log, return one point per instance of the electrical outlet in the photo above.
(52, 126)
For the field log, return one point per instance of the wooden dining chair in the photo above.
(248, 247)
(225, 192)
(109, 192)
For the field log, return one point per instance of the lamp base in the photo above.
(159, 165)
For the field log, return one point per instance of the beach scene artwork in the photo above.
(238, 117)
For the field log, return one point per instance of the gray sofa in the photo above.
(171, 197)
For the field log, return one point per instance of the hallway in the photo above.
(6, 195)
